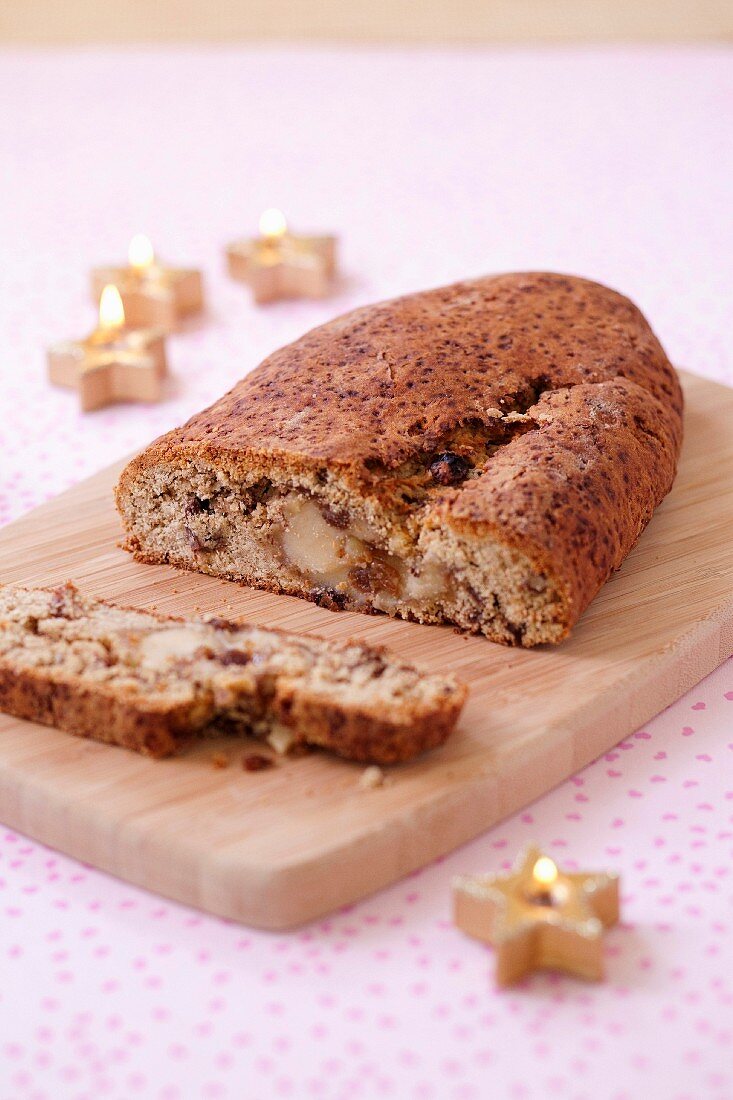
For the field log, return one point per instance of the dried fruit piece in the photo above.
(335, 518)
(329, 598)
(449, 468)
(375, 576)
(235, 657)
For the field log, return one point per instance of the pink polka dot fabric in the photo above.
(431, 165)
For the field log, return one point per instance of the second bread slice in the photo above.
(151, 682)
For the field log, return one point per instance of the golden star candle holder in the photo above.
(114, 363)
(282, 264)
(153, 295)
(539, 917)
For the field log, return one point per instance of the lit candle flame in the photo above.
(111, 309)
(544, 872)
(273, 224)
(140, 253)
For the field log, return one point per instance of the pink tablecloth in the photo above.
(431, 166)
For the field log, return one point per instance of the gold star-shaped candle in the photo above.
(153, 295)
(113, 363)
(281, 264)
(539, 917)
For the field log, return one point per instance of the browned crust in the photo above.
(576, 494)
(94, 714)
(157, 728)
(366, 736)
(392, 383)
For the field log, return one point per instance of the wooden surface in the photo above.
(439, 21)
(278, 847)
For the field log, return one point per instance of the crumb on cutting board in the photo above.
(281, 739)
(256, 762)
(371, 778)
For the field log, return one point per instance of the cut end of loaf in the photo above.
(306, 534)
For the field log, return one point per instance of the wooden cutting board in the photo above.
(279, 847)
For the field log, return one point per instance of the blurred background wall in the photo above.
(74, 22)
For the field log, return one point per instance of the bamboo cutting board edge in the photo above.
(47, 784)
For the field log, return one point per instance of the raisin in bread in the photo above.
(485, 454)
(151, 682)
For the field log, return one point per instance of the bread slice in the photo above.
(151, 682)
(485, 454)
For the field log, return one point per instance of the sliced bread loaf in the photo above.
(485, 454)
